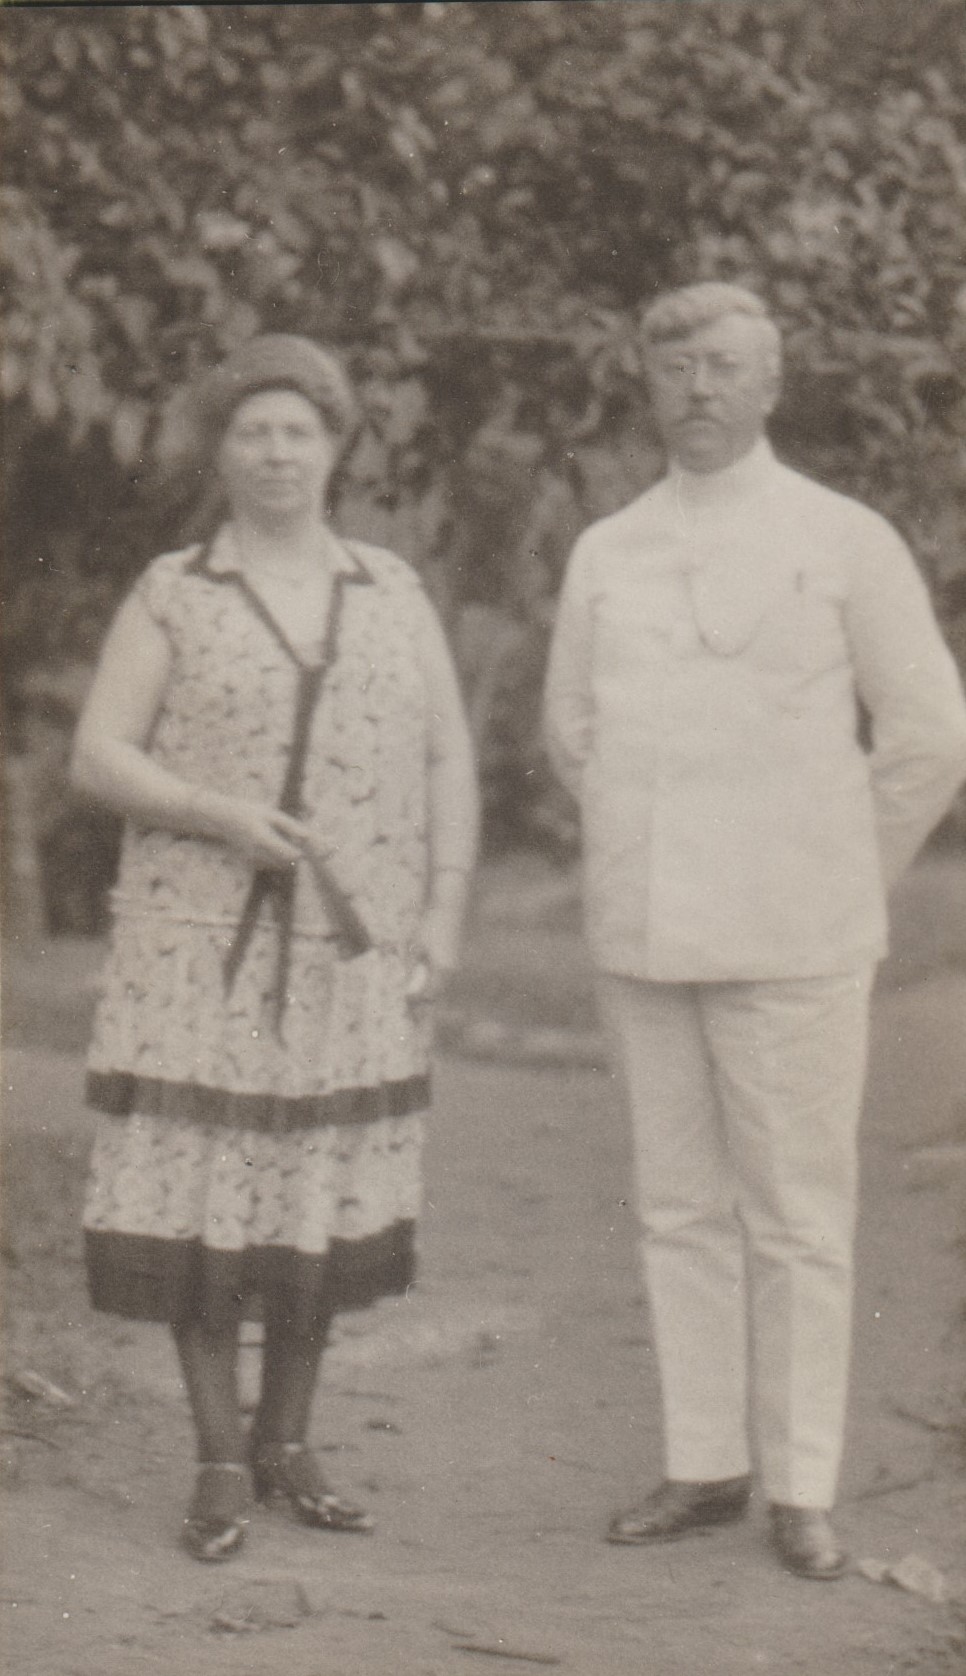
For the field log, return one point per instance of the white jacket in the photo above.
(711, 642)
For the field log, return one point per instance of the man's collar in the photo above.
(749, 474)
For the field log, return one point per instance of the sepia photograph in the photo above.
(483, 934)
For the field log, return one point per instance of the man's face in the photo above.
(712, 391)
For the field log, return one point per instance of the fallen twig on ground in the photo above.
(498, 1652)
(927, 1421)
(33, 1437)
(891, 1485)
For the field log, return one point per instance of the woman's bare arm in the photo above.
(111, 764)
(454, 812)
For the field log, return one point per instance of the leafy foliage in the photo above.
(472, 202)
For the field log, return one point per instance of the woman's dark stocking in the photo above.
(209, 1363)
(290, 1367)
(284, 1467)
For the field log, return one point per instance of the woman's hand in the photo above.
(435, 954)
(111, 761)
(261, 835)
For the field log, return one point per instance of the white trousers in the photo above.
(745, 1101)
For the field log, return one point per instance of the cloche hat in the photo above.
(275, 361)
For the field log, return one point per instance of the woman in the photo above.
(276, 715)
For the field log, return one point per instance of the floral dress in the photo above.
(260, 1078)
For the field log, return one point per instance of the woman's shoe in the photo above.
(217, 1519)
(292, 1471)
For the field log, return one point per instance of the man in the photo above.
(713, 644)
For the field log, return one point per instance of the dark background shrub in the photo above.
(472, 203)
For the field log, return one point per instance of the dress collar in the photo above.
(219, 559)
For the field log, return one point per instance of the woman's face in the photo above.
(276, 457)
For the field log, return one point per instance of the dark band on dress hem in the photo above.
(121, 1093)
(145, 1278)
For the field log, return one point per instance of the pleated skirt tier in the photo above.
(241, 1157)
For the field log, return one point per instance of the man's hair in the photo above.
(677, 314)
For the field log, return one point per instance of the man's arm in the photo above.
(908, 681)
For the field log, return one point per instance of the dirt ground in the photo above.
(497, 1416)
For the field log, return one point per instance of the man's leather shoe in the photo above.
(806, 1543)
(678, 1507)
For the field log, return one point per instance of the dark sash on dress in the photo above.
(273, 885)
